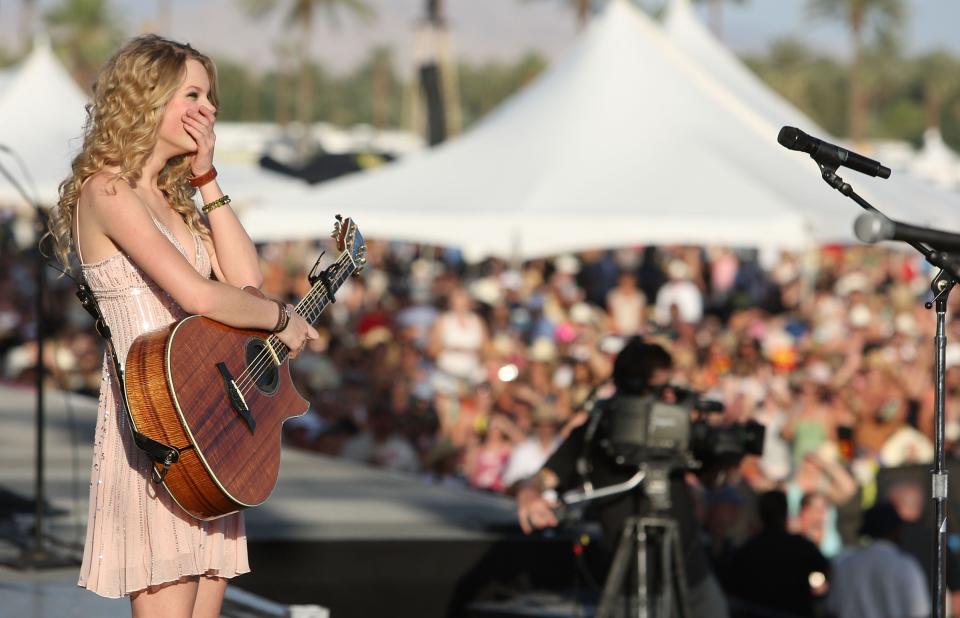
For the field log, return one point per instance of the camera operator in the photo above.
(639, 369)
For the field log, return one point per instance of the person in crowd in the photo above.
(127, 214)
(916, 538)
(485, 464)
(458, 342)
(724, 507)
(390, 449)
(878, 580)
(811, 520)
(640, 368)
(821, 474)
(528, 456)
(679, 300)
(626, 305)
(776, 570)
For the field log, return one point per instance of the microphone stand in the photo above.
(39, 555)
(941, 287)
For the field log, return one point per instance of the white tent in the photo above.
(41, 120)
(6, 76)
(904, 194)
(626, 140)
(937, 162)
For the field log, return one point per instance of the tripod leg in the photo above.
(668, 583)
(679, 572)
(643, 576)
(618, 570)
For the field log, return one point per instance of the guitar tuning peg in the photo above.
(339, 218)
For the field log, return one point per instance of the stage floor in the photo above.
(318, 501)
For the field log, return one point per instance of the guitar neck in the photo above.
(316, 300)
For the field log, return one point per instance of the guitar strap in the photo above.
(160, 453)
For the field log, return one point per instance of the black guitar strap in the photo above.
(158, 452)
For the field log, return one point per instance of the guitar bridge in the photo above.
(237, 402)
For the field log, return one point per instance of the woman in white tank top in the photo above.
(459, 339)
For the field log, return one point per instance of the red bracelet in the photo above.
(202, 179)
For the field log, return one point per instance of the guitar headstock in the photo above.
(348, 238)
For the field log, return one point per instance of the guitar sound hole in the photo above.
(260, 364)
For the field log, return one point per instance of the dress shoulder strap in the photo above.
(76, 219)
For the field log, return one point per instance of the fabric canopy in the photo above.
(904, 194)
(41, 122)
(626, 140)
(937, 162)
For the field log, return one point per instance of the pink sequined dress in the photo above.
(137, 536)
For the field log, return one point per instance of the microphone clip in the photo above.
(829, 174)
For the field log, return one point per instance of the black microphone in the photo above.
(872, 227)
(828, 154)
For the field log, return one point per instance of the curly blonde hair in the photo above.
(129, 97)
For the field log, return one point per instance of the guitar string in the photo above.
(341, 274)
(263, 360)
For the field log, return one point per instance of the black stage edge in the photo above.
(406, 578)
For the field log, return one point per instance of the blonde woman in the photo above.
(127, 214)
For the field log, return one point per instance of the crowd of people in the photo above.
(469, 374)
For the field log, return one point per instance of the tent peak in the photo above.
(679, 7)
(41, 40)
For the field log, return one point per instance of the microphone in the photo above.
(872, 228)
(826, 153)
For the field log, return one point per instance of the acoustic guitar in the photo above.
(219, 396)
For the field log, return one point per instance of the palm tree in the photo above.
(716, 14)
(302, 13)
(86, 32)
(939, 74)
(382, 74)
(887, 18)
(284, 54)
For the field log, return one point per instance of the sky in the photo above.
(483, 30)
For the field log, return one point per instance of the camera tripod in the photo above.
(648, 549)
(661, 590)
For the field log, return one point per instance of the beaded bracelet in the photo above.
(284, 318)
(217, 203)
(204, 178)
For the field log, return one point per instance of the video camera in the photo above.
(674, 432)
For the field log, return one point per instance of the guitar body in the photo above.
(178, 390)
(220, 395)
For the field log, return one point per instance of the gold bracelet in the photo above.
(217, 203)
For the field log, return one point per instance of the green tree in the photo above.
(812, 81)
(939, 76)
(241, 93)
(884, 19)
(303, 13)
(84, 33)
(485, 86)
